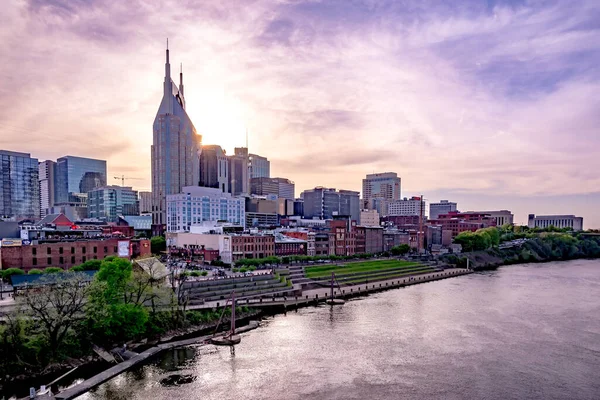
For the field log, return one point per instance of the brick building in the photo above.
(67, 254)
(457, 222)
(252, 246)
(288, 246)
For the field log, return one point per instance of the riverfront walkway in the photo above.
(314, 296)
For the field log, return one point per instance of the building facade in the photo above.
(109, 202)
(557, 221)
(239, 172)
(46, 170)
(19, 186)
(145, 199)
(198, 204)
(407, 207)
(260, 167)
(325, 203)
(214, 168)
(443, 207)
(457, 222)
(281, 187)
(67, 254)
(175, 147)
(502, 217)
(369, 218)
(75, 177)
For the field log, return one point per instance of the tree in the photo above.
(58, 303)
(91, 265)
(34, 272)
(158, 244)
(12, 271)
(400, 250)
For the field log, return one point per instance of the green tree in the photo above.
(158, 244)
(91, 265)
(34, 272)
(58, 306)
(12, 271)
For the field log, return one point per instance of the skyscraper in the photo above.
(109, 202)
(214, 168)
(175, 147)
(239, 172)
(75, 177)
(384, 187)
(260, 167)
(47, 171)
(19, 186)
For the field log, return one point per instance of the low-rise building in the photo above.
(461, 222)
(557, 221)
(65, 253)
(502, 217)
(406, 207)
(289, 246)
(369, 218)
(393, 238)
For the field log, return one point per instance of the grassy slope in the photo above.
(361, 266)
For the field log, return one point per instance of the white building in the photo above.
(369, 218)
(443, 207)
(407, 207)
(380, 189)
(557, 221)
(502, 217)
(197, 204)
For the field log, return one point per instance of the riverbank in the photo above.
(310, 298)
(551, 247)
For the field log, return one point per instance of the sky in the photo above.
(490, 103)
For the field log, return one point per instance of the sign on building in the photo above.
(123, 248)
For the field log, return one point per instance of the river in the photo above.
(520, 332)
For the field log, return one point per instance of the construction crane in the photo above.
(123, 177)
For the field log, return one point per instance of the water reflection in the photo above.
(519, 333)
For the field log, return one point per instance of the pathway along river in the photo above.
(521, 332)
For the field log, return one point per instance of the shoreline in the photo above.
(346, 292)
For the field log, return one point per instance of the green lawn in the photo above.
(399, 274)
(324, 271)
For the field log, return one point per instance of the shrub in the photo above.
(53, 270)
(34, 272)
(12, 271)
(195, 273)
(77, 268)
(204, 273)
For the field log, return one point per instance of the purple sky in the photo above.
(494, 104)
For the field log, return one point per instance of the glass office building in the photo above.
(76, 176)
(19, 186)
(109, 202)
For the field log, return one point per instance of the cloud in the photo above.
(497, 97)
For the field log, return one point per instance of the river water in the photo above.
(521, 332)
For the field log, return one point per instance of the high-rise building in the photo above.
(239, 172)
(75, 177)
(443, 207)
(281, 187)
(109, 202)
(214, 168)
(19, 186)
(47, 172)
(325, 203)
(194, 205)
(405, 207)
(145, 199)
(175, 147)
(260, 167)
(385, 186)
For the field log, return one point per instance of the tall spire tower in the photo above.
(175, 149)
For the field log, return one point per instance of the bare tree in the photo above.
(57, 303)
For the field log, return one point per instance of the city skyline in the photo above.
(481, 91)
